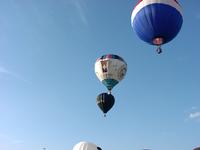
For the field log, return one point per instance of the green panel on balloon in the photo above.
(110, 83)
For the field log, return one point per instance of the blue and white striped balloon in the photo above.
(157, 21)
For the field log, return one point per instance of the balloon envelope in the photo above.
(86, 146)
(110, 70)
(105, 102)
(157, 21)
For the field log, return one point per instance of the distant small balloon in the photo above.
(86, 146)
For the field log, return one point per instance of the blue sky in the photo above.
(48, 86)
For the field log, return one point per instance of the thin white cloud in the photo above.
(17, 142)
(192, 114)
(80, 6)
(10, 140)
(3, 70)
(194, 108)
(12, 74)
(198, 16)
(195, 115)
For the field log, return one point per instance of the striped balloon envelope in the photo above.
(110, 70)
(157, 21)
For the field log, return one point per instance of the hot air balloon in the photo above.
(157, 21)
(86, 146)
(105, 102)
(197, 148)
(110, 69)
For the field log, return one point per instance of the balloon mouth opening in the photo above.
(158, 41)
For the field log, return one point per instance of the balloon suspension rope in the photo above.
(109, 91)
(104, 115)
(159, 49)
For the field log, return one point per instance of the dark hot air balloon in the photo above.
(105, 102)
